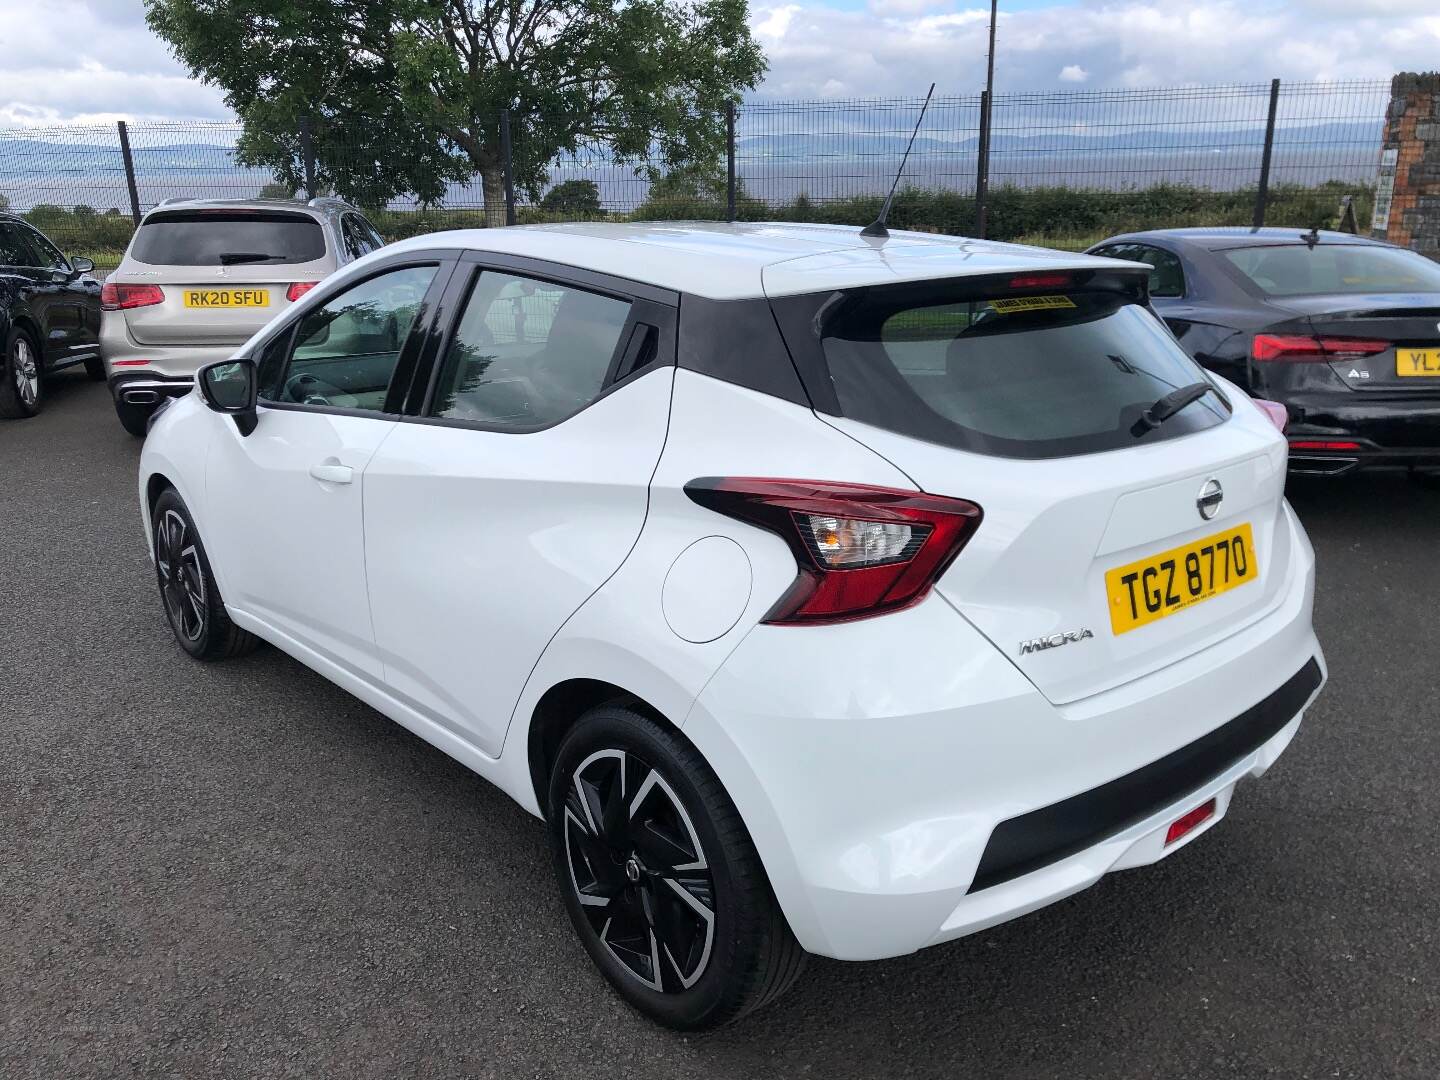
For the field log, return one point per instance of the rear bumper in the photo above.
(143, 390)
(1387, 432)
(126, 356)
(881, 785)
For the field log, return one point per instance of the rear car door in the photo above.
(519, 488)
(284, 504)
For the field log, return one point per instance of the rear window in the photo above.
(1015, 376)
(1298, 270)
(228, 238)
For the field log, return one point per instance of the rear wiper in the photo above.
(230, 258)
(1168, 406)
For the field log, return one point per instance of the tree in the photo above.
(575, 198)
(276, 190)
(405, 96)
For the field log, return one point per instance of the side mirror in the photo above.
(82, 265)
(229, 387)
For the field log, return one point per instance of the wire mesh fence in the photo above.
(1062, 168)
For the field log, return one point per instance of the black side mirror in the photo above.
(82, 265)
(229, 387)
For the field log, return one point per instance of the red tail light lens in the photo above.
(299, 289)
(1323, 444)
(1278, 414)
(1296, 348)
(121, 297)
(860, 550)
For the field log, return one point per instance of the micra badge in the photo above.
(1054, 641)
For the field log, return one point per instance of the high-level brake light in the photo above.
(860, 550)
(1042, 281)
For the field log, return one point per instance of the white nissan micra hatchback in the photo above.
(824, 593)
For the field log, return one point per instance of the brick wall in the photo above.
(1410, 166)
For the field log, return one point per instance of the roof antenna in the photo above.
(1312, 237)
(877, 227)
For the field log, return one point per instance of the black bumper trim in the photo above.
(1047, 835)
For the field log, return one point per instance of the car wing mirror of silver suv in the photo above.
(229, 387)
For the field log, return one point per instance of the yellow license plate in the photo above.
(1160, 585)
(226, 298)
(1417, 361)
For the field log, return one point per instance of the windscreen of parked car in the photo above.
(1015, 376)
(1299, 270)
(228, 238)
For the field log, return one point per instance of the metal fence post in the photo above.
(982, 165)
(307, 156)
(507, 165)
(1263, 193)
(129, 170)
(730, 161)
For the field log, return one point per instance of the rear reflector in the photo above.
(1189, 822)
(129, 363)
(1292, 348)
(859, 550)
(299, 289)
(121, 297)
(1323, 444)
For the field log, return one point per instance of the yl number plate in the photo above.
(1160, 585)
(226, 298)
(1417, 362)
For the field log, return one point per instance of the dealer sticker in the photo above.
(1031, 303)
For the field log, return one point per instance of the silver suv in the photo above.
(201, 276)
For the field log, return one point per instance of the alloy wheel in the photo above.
(26, 371)
(639, 871)
(182, 581)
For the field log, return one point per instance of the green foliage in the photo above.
(404, 96)
(276, 189)
(576, 198)
(697, 193)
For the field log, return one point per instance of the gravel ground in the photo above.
(239, 870)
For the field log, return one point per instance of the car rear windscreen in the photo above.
(1299, 270)
(1015, 376)
(228, 238)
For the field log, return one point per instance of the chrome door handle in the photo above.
(333, 474)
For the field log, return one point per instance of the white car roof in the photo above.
(749, 259)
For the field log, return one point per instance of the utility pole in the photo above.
(982, 172)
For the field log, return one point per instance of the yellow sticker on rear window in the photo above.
(1031, 303)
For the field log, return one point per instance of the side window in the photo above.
(358, 237)
(50, 257)
(1167, 278)
(528, 353)
(344, 353)
(369, 232)
(13, 251)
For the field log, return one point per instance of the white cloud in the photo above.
(1073, 73)
(906, 7)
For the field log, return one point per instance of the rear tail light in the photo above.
(860, 551)
(1291, 348)
(1278, 414)
(121, 297)
(299, 289)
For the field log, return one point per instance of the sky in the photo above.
(94, 61)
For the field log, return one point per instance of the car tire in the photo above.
(188, 592)
(95, 369)
(22, 383)
(653, 860)
(134, 418)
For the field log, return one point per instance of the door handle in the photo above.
(333, 474)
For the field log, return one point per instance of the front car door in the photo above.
(519, 488)
(70, 302)
(285, 502)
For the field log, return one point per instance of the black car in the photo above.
(49, 316)
(1343, 331)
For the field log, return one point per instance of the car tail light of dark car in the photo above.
(1297, 348)
(860, 550)
(115, 297)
